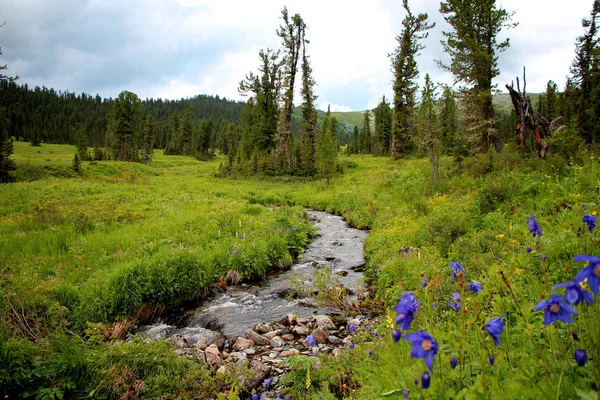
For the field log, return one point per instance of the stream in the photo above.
(242, 306)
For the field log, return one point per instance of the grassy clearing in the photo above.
(95, 247)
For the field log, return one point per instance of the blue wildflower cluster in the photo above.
(406, 310)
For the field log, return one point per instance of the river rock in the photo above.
(243, 344)
(208, 337)
(334, 340)
(292, 319)
(237, 356)
(320, 334)
(337, 351)
(258, 371)
(323, 321)
(277, 341)
(355, 322)
(272, 334)
(301, 330)
(302, 321)
(347, 340)
(262, 328)
(213, 356)
(290, 352)
(258, 339)
(223, 370)
(179, 341)
(287, 337)
(250, 351)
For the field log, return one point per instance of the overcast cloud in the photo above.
(173, 49)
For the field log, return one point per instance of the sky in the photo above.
(175, 49)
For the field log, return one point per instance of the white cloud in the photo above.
(333, 107)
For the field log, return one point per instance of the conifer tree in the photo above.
(6, 148)
(124, 127)
(148, 135)
(428, 130)
(551, 101)
(291, 33)
(404, 66)
(383, 128)
(327, 149)
(449, 138)
(365, 137)
(586, 77)
(353, 146)
(472, 47)
(308, 125)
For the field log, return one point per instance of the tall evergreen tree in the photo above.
(291, 33)
(586, 76)
(472, 47)
(6, 148)
(125, 127)
(327, 149)
(148, 135)
(428, 130)
(449, 138)
(308, 126)
(551, 101)
(383, 128)
(365, 136)
(404, 66)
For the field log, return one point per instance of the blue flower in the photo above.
(255, 397)
(396, 335)
(406, 310)
(351, 346)
(424, 282)
(534, 227)
(591, 272)
(590, 220)
(575, 293)
(492, 359)
(267, 383)
(310, 339)
(556, 309)
(423, 346)
(455, 306)
(581, 357)
(475, 287)
(425, 380)
(455, 296)
(453, 362)
(528, 249)
(405, 393)
(352, 328)
(494, 328)
(457, 269)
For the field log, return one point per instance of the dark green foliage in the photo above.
(308, 125)
(124, 128)
(77, 163)
(365, 137)
(327, 149)
(148, 135)
(383, 129)
(6, 148)
(472, 45)
(404, 66)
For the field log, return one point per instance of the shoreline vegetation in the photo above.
(80, 252)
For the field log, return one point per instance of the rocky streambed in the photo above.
(261, 325)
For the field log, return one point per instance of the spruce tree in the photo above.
(365, 137)
(404, 66)
(327, 149)
(6, 149)
(383, 128)
(123, 138)
(428, 130)
(308, 125)
(472, 46)
(449, 137)
(148, 135)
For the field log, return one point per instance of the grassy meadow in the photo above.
(84, 257)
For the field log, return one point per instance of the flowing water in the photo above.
(336, 246)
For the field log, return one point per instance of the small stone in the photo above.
(324, 321)
(288, 337)
(273, 354)
(272, 334)
(301, 330)
(290, 352)
(292, 318)
(257, 338)
(320, 334)
(259, 372)
(347, 340)
(222, 370)
(262, 328)
(337, 351)
(179, 341)
(355, 322)
(237, 356)
(225, 355)
(243, 344)
(208, 337)
(213, 356)
(302, 321)
(250, 351)
(334, 339)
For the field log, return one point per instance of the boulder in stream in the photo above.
(257, 338)
(208, 337)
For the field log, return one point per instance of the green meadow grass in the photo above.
(82, 250)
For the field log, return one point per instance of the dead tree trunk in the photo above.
(529, 118)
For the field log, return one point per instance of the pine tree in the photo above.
(404, 66)
(449, 138)
(472, 47)
(383, 128)
(365, 137)
(586, 77)
(327, 149)
(148, 135)
(124, 127)
(6, 149)
(291, 33)
(308, 125)
(77, 164)
(551, 101)
(428, 130)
